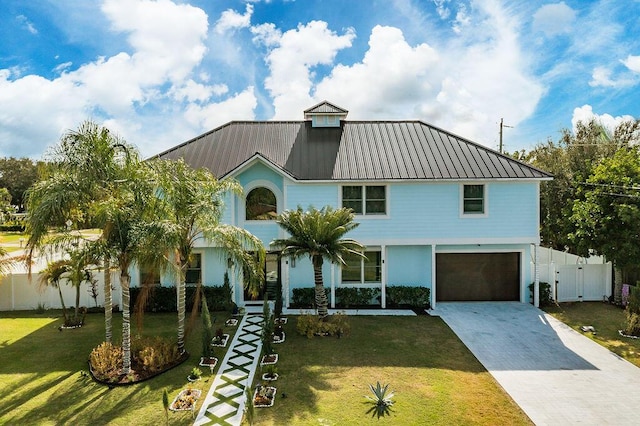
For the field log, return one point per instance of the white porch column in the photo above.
(383, 278)
(433, 276)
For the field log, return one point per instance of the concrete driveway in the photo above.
(555, 374)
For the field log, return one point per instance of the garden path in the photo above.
(225, 401)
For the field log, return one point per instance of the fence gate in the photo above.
(582, 282)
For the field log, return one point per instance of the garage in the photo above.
(477, 276)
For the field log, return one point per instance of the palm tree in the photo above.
(190, 207)
(52, 275)
(319, 235)
(93, 179)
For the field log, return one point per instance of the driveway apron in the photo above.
(555, 374)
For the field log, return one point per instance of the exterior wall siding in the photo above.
(409, 265)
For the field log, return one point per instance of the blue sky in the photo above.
(161, 72)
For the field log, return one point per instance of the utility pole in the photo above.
(501, 126)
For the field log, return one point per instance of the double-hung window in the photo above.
(365, 199)
(473, 200)
(194, 269)
(359, 270)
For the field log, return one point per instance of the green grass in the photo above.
(435, 378)
(606, 319)
(41, 381)
(10, 241)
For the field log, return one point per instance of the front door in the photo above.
(271, 279)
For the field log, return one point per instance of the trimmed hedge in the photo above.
(347, 297)
(403, 295)
(306, 297)
(397, 296)
(12, 228)
(163, 299)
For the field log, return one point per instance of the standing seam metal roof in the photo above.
(357, 150)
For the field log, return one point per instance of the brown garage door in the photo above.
(477, 276)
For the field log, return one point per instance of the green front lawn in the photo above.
(41, 380)
(435, 378)
(606, 319)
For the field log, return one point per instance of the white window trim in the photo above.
(485, 200)
(362, 283)
(261, 183)
(364, 200)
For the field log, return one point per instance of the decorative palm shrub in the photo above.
(381, 400)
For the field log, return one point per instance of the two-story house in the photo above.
(434, 209)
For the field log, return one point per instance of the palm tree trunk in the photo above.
(125, 281)
(75, 314)
(182, 308)
(64, 308)
(108, 303)
(321, 296)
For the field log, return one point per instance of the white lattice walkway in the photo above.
(225, 401)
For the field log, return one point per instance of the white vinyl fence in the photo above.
(18, 292)
(574, 278)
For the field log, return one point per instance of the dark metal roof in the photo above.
(325, 108)
(357, 150)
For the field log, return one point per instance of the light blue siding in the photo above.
(267, 231)
(259, 171)
(316, 195)
(409, 265)
(433, 211)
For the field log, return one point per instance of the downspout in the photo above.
(536, 282)
(383, 286)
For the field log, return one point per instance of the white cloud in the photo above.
(601, 76)
(390, 80)
(238, 107)
(633, 63)
(291, 61)
(585, 114)
(27, 24)
(230, 20)
(554, 19)
(132, 92)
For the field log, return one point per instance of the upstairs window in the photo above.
(194, 270)
(362, 271)
(365, 199)
(261, 205)
(473, 201)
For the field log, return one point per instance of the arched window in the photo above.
(261, 204)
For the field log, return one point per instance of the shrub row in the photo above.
(397, 296)
(163, 299)
(12, 228)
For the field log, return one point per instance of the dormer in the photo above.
(325, 114)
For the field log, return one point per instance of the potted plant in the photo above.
(195, 374)
(264, 396)
(270, 373)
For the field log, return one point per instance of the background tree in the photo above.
(5, 205)
(319, 235)
(17, 175)
(607, 217)
(571, 160)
